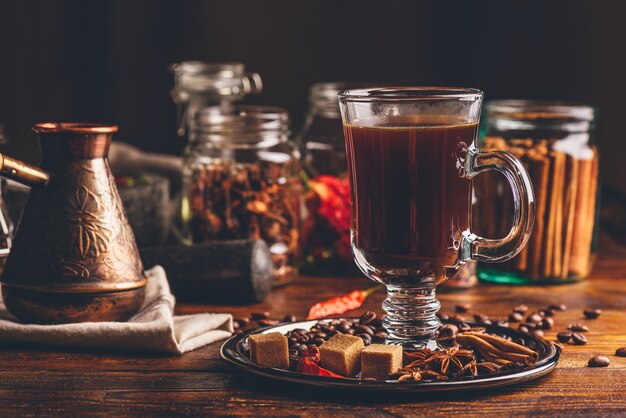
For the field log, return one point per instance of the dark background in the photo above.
(106, 61)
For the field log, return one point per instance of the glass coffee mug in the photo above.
(411, 159)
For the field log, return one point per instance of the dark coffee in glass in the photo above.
(410, 202)
(411, 160)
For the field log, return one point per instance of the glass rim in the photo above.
(410, 94)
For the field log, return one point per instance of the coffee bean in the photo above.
(558, 307)
(327, 328)
(350, 331)
(522, 328)
(579, 339)
(592, 313)
(343, 326)
(302, 348)
(321, 335)
(367, 318)
(515, 317)
(268, 322)
(533, 318)
(377, 323)
(480, 318)
(578, 327)
(289, 318)
(546, 312)
(365, 336)
(521, 309)
(547, 323)
(448, 330)
(564, 336)
(379, 337)
(502, 323)
(317, 341)
(364, 329)
(462, 307)
(242, 321)
(599, 361)
(621, 352)
(558, 345)
(537, 333)
(443, 316)
(259, 315)
(530, 325)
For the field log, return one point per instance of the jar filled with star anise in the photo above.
(241, 179)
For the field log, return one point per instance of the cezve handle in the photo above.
(21, 172)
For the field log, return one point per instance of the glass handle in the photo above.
(498, 250)
(252, 83)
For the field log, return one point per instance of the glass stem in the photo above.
(411, 319)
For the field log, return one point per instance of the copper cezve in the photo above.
(74, 257)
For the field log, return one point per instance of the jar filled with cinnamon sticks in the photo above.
(241, 179)
(555, 142)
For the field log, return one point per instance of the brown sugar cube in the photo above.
(379, 360)
(342, 354)
(270, 350)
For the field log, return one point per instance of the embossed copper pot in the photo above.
(74, 257)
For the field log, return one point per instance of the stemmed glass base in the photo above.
(411, 319)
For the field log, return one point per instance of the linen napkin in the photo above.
(153, 329)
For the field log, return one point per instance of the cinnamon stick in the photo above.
(539, 167)
(499, 348)
(557, 221)
(585, 213)
(569, 215)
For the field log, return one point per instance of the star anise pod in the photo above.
(470, 369)
(432, 375)
(486, 367)
(422, 354)
(412, 377)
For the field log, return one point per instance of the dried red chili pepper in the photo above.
(307, 366)
(341, 304)
(309, 363)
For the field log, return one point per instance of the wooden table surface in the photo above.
(35, 380)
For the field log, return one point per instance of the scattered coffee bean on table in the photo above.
(515, 317)
(558, 307)
(259, 315)
(564, 336)
(462, 307)
(592, 313)
(521, 309)
(534, 318)
(579, 339)
(578, 327)
(599, 361)
(621, 352)
(547, 323)
(289, 318)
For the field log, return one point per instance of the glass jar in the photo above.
(199, 84)
(326, 225)
(555, 142)
(241, 179)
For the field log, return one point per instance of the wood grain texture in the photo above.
(35, 380)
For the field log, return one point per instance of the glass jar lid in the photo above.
(241, 124)
(323, 97)
(522, 115)
(214, 79)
